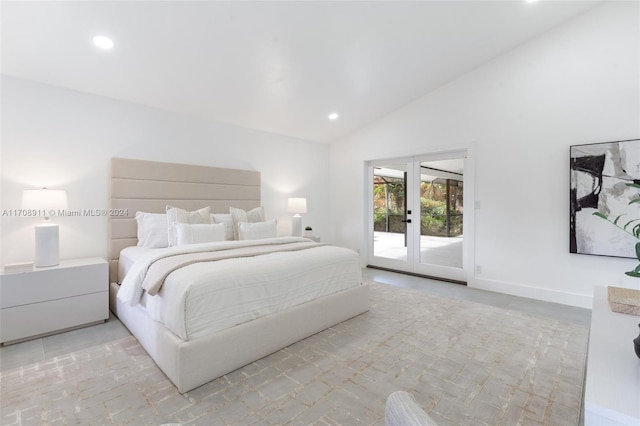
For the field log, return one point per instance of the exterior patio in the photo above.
(443, 251)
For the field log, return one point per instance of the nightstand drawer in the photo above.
(45, 317)
(70, 278)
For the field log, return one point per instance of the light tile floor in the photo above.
(48, 347)
(40, 349)
(462, 292)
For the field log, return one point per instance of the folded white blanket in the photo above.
(131, 287)
(160, 269)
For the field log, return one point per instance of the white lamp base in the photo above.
(47, 245)
(296, 225)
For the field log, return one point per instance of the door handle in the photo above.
(407, 221)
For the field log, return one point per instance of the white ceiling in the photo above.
(280, 67)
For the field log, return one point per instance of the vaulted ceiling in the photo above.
(281, 67)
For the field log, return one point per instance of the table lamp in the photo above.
(45, 203)
(297, 206)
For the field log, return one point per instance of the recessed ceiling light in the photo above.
(333, 116)
(103, 42)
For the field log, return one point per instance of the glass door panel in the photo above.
(390, 212)
(441, 212)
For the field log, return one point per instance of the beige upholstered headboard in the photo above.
(137, 185)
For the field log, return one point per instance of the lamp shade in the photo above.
(297, 205)
(44, 201)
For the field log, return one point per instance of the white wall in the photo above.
(574, 85)
(64, 140)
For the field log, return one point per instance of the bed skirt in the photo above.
(189, 364)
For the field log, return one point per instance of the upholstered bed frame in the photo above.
(137, 185)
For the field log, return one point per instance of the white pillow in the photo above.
(177, 215)
(194, 233)
(152, 230)
(257, 230)
(251, 216)
(228, 223)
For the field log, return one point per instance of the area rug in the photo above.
(465, 363)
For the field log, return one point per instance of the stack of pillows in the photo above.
(179, 227)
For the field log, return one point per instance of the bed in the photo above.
(192, 352)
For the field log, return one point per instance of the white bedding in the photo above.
(128, 256)
(206, 297)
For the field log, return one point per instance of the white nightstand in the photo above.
(48, 300)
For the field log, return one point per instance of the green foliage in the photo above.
(389, 199)
(433, 207)
(631, 227)
(636, 272)
(432, 217)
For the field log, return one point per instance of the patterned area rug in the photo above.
(465, 363)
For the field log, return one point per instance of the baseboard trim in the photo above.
(530, 292)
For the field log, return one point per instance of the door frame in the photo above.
(412, 265)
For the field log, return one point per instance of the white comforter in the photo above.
(207, 297)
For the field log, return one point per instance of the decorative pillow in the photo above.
(257, 230)
(177, 215)
(194, 233)
(228, 223)
(251, 216)
(152, 230)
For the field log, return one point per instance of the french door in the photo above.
(415, 214)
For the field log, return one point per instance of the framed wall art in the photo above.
(601, 199)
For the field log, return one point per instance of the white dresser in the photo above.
(612, 392)
(47, 300)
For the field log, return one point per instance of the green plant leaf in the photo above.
(636, 272)
(629, 223)
(633, 185)
(600, 215)
(615, 222)
(638, 253)
(635, 200)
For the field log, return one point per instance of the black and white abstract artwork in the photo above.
(600, 173)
